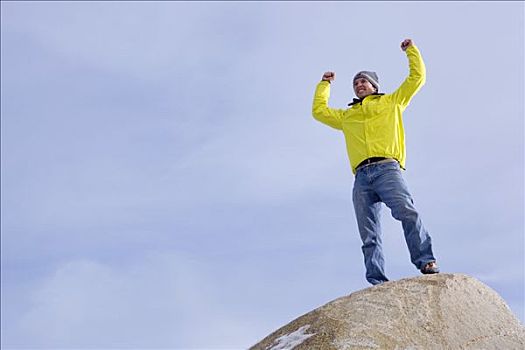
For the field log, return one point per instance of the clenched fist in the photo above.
(406, 44)
(329, 76)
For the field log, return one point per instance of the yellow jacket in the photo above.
(373, 127)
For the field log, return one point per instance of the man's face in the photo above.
(363, 88)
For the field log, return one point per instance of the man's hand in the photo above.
(406, 44)
(329, 76)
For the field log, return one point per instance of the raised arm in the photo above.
(416, 77)
(320, 109)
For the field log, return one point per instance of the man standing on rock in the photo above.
(375, 141)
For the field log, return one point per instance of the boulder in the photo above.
(442, 311)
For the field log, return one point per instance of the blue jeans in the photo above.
(378, 183)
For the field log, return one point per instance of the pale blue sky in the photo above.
(165, 185)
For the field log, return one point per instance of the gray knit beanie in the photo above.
(370, 76)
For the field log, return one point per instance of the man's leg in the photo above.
(367, 211)
(393, 191)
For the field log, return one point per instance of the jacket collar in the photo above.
(358, 100)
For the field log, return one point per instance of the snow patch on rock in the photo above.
(290, 341)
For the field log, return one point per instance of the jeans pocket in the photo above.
(394, 165)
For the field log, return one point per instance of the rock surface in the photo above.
(443, 311)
